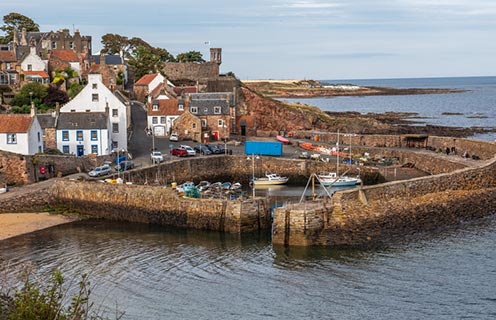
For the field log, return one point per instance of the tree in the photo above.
(140, 55)
(15, 22)
(32, 91)
(55, 95)
(191, 56)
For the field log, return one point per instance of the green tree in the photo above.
(190, 56)
(32, 91)
(16, 22)
(55, 95)
(74, 89)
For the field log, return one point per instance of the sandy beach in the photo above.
(14, 224)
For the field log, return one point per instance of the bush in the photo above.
(37, 301)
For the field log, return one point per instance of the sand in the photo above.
(14, 224)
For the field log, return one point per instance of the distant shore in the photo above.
(15, 224)
(313, 88)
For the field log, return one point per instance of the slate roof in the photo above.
(15, 123)
(206, 107)
(109, 59)
(46, 120)
(65, 55)
(82, 120)
(145, 80)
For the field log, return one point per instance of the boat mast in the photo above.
(337, 155)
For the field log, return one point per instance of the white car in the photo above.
(174, 137)
(191, 151)
(156, 157)
(100, 171)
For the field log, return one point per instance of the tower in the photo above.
(216, 55)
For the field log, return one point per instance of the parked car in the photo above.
(156, 157)
(202, 149)
(179, 152)
(214, 148)
(100, 171)
(191, 151)
(124, 165)
(174, 137)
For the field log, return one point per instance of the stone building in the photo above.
(195, 71)
(188, 126)
(112, 68)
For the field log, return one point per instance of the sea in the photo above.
(152, 272)
(474, 106)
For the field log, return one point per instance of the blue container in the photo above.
(264, 148)
(120, 159)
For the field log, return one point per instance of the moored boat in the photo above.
(332, 179)
(270, 179)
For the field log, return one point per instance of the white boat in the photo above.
(332, 179)
(270, 179)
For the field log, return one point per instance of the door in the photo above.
(215, 134)
(159, 131)
(80, 151)
(243, 127)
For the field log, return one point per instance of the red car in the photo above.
(179, 152)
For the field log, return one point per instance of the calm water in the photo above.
(476, 107)
(159, 273)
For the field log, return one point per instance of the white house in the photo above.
(161, 115)
(33, 62)
(82, 133)
(21, 133)
(95, 97)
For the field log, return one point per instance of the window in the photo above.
(155, 107)
(221, 123)
(7, 65)
(71, 45)
(94, 85)
(54, 45)
(115, 145)
(94, 135)
(79, 135)
(115, 127)
(94, 97)
(11, 138)
(181, 107)
(194, 109)
(162, 120)
(204, 123)
(115, 113)
(39, 137)
(217, 110)
(193, 125)
(88, 110)
(94, 149)
(73, 110)
(154, 120)
(65, 149)
(65, 135)
(205, 110)
(30, 67)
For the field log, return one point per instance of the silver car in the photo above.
(100, 171)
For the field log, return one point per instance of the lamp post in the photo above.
(253, 172)
(225, 140)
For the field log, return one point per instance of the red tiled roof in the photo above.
(156, 92)
(15, 123)
(168, 107)
(42, 74)
(7, 56)
(65, 55)
(145, 80)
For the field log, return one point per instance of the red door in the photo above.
(216, 135)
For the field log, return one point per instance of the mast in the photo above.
(337, 156)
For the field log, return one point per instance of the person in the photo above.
(453, 150)
(447, 150)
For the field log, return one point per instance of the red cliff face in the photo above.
(274, 115)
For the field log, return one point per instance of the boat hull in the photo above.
(263, 182)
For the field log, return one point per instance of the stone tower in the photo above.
(216, 55)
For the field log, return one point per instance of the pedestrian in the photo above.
(453, 150)
(447, 150)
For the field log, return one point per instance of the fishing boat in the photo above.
(235, 186)
(203, 185)
(270, 179)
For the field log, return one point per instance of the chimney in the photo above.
(24, 40)
(33, 110)
(15, 40)
(32, 50)
(107, 109)
(102, 59)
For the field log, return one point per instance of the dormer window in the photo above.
(181, 107)
(155, 107)
(217, 110)
(194, 110)
(205, 110)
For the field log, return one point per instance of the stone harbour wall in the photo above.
(380, 213)
(161, 206)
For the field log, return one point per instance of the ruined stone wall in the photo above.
(162, 206)
(14, 169)
(181, 71)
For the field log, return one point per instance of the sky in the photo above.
(296, 39)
